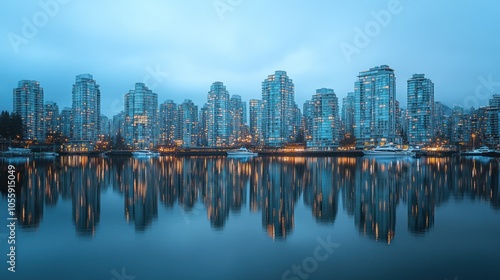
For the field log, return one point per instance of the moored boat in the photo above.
(388, 150)
(17, 152)
(484, 151)
(46, 154)
(241, 152)
(144, 154)
(416, 152)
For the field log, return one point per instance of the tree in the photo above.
(119, 143)
(348, 141)
(4, 124)
(404, 137)
(300, 137)
(56, 138)
(11, 126)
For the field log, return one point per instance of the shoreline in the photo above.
(261, 153)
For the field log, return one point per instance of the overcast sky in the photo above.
(179, 48)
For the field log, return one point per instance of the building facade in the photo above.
(168, 123)
(278, 110)
(326, 123)
(188, 128)
(203, 130)
(459, 126)
(307, 120)
(439, 118)
(256, 121)
(86, 106)
(51, 118)
(28, 103)
(237, 111)
(141, 118)
(375, 107)
(106, 126)
(118, 124)
(66, 122)
(492, 121)
(218, 116)
(420, 110)
(348, 114)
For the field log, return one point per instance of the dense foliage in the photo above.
(11, 126)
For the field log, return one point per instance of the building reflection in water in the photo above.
(30, 197)
(371, 189)
(84, 183)
(423, 176)
(275, 189)
(376, 196)
(138, 181)
(322, 188)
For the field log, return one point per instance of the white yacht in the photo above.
(46, 154)
(416, 151)
(17, 152)
(145, 154)
(241, 152)
(386, 150)
(483, 151)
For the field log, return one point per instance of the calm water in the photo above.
(263, 218)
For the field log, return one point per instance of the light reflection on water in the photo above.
(222, 218)
(370, 189)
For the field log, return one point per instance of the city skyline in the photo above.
(307, 96)
(371, 114)
(325, 45)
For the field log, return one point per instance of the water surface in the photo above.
(260, 218)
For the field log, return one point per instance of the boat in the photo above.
(145, 154)
(17, 152)
(386, 150)
(483, 151)
(241, 152)
(416, 152)
(46, 154)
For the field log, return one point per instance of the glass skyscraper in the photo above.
(420, 110)
(237, 110)
(187, 117)
(218, 116)
(348, 113)
(86, 107)
(51, 118)
(279, 112)
(307, 120)
(459, 126)
(203, 120)
(141, 117)
(492, 121)
(325, 119)
(119, 124)
(105, 126)
(439, 119)
(256, 121)
(28, 103)
(66, 121)
(375, 107)
(168, 123)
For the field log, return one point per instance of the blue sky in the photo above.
(179, 48)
